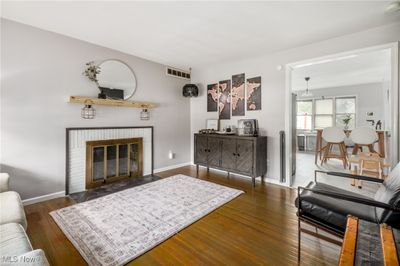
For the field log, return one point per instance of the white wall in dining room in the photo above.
(272, 116)
(39, 71)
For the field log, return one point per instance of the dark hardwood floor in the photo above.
(257, 228)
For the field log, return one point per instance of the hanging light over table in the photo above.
(307, 93)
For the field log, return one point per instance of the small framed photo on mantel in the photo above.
(212, 124)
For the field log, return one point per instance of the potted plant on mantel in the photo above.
(346, 120)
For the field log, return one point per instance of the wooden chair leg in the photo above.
(355, 149)
(322, 152)
(371, 148)
(326, 153)
(343, 155)
(318, 150)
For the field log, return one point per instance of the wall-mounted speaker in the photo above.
(190, 90)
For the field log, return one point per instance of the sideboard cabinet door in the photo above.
(214, 151)
(201, 149)
(245, 152)
(228, 150)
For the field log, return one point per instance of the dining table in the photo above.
(319, 148)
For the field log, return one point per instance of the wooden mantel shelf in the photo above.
(81, 99)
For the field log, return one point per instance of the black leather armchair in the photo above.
(327, 206)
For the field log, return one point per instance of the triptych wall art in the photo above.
(212, 97)
(228, 98)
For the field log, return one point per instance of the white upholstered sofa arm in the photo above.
(4, 182)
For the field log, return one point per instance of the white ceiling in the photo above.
(353, 69)
(184, 34)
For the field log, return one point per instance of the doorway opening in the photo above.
(347, 91)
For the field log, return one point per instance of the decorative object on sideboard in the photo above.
(307, 92)
(224, 105)
(238, 94)
(88, 112)
(207, 131)
(228, 130)
(212, 124)
(212, 97)
(248, 127)
(190, 90)
(253, 94)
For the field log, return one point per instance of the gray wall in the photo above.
(39, 71)
(370, 98)
(272, 116)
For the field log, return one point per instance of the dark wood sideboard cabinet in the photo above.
(234, 154)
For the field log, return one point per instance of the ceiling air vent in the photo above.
(177, 73)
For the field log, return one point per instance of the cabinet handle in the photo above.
(205, 150)
(238, 154)
(234, 154)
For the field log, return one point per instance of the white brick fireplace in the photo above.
(76, 150)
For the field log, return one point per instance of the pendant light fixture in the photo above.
(307, 93)
(190, 90)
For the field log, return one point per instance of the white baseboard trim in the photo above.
(275, 182)
(43, 198)
(171, 167)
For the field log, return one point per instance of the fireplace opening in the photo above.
(112, 160)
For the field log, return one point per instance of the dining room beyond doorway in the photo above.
(342, 117)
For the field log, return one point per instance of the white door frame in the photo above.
(394, 46)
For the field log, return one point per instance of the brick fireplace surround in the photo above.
(76, 139)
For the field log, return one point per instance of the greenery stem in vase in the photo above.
(91, 72)
(346, 120)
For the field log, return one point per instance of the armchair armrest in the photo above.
(364, 201)
(347, 175)
(4, 182)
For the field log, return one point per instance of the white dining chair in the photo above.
(363, 137)
(334, 136)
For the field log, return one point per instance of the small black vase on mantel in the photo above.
(102, 95)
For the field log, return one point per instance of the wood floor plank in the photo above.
(257, 228)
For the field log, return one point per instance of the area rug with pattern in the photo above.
(115, 229)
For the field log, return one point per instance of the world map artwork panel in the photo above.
(253, 94)
(212, 97)
(238, 95)
(224, 103)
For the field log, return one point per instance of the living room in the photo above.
(179, 114)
